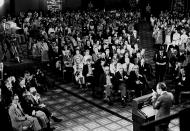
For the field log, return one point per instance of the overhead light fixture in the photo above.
(2, 2)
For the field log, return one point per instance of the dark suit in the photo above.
(163, 103)
(28, 108)
(103, 83)
(182, 85)
(146, 70)
(160, 67)
(89, 77)
(34, 105)
(85, 73)
(102, 79)
(120, 82)
(133, 83)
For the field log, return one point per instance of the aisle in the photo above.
(146, 41)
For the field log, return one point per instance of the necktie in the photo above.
(18, 107)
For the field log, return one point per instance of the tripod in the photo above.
(9, 43)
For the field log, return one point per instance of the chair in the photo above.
(24, 128)
(184, 96)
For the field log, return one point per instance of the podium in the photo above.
(142, 111)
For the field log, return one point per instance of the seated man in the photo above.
(37, 105)
(121, 79)
(30, 110)
(88, 74)
(41, 80)
(19, 119)
(78, 73)
(182, 84)
(146, 70)
(106, 83)
(137, 81)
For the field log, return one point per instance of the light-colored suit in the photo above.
(18, 119)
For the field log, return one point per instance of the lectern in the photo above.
(142, 111)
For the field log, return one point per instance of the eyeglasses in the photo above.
(16, 99)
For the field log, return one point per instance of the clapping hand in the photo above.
(33, 112)
(42, 105)
(154, 94)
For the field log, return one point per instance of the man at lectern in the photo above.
(162, 101)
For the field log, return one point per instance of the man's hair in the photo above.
(162, 85)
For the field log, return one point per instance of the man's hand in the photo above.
(126, 77)
(33, 112)
(154, 94)
(42, 105)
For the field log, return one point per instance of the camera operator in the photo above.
(9, 40)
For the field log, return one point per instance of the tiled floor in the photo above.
(79, 115)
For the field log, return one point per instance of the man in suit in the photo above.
(27, 105)
(19, 119)
(88, 73)
(106, 83)
(121, 79)
(162, 102)
(128, 66)
(160, 60)
(137, 81)
(37, 105)
(145, 69)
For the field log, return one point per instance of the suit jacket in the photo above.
(133, 78)
(146, 70)
(163, 104)
(86, 70)
(184, 82)
(102, 79)
(118, 78)
(29, 104)
(128, 68)
(17, 117)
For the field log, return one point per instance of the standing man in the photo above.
(160, 60)
(148, 12)
(162, 101)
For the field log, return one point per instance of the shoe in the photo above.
(55, 119)
(51, 128)
(110, 103)
(123, 103)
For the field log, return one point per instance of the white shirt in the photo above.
(184, 39)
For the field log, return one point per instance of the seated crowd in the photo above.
(21, 102)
